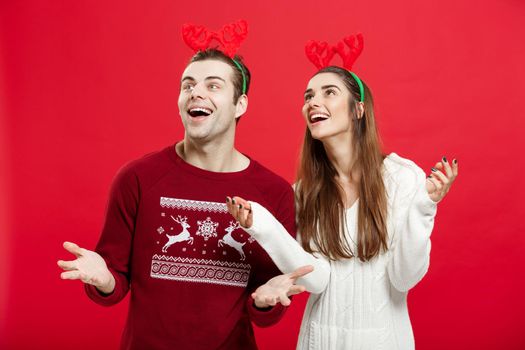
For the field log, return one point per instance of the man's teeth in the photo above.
(200, 109)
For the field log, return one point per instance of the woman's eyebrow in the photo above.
(330, 86)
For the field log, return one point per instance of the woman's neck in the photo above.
(342, 155)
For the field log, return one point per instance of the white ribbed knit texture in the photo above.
(361, 305)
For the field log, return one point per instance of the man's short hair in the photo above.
(237, 79)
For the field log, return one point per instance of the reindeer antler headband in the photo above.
(230, 37)
(320, 53)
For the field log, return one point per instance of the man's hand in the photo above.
(89, 267)
(279, 288)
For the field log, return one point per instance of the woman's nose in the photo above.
(314, 102)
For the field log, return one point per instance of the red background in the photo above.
(87, 85)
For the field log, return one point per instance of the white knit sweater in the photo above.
(361, 305)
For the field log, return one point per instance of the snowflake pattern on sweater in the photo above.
(203, 230)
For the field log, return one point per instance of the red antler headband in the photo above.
(320, 53)
(230, 37)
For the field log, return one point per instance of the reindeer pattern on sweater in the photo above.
(200, 242)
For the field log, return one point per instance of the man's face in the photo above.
(206, 101)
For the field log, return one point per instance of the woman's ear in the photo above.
(360, 110)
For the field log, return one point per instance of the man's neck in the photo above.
(219, 157)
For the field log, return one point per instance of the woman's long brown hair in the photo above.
(319, 198)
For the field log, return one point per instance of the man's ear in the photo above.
(241, 106)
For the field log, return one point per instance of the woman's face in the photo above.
(326, 108)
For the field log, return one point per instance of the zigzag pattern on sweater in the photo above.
(201, 261)
(188, 204)
(200, 271)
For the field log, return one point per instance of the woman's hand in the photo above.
(441, 178)
(241, 210)
(279, 288)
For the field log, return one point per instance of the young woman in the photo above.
(364, 221)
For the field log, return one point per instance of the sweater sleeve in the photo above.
(266, 269)
(115, 241)
(414, 214)
(285, 251)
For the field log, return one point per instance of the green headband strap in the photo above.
(243, 76)
(361, 87)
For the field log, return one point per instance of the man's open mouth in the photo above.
(199, 112)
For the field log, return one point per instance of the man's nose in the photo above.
(198, 91)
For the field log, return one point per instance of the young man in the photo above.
(168, 236)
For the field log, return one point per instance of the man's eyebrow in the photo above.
(214, 77)
(307, 91)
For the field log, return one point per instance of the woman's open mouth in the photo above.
(318, 117)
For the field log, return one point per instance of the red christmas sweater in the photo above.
(169, 239)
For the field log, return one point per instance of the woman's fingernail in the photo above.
(455, 161)
(434, 169)
(227, 199)
(233, 201)
(444, 159)
(249, 211)
(240, 206)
